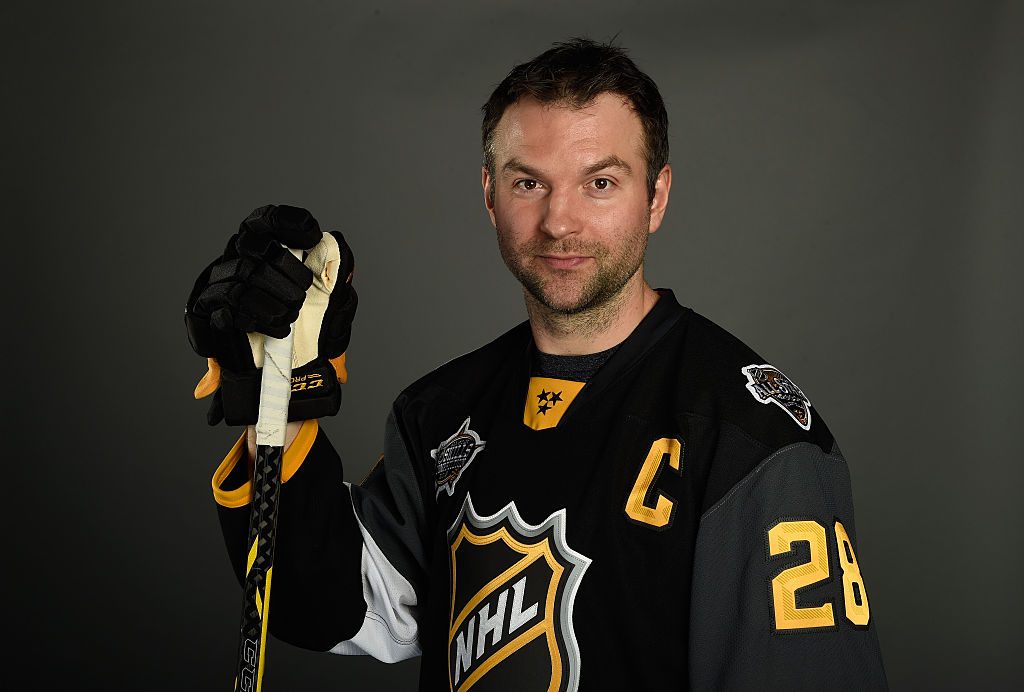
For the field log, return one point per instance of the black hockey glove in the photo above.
(257, 287)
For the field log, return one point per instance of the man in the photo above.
(616, 494)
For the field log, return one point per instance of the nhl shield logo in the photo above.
(453, 456)
(512, 591)
(769, 385)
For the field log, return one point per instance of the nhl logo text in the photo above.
(513, 587)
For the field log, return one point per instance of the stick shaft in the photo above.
(271, 427)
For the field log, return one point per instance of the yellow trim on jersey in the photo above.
(547, 399)
(293, 458)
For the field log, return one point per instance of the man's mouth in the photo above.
(563, 261)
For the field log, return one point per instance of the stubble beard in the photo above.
(598, 290)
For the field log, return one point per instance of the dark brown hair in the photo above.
(574, 73)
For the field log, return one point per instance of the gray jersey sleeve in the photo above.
(779, 599)
(390, 512)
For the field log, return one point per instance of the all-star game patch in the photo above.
(453, 456)
(769, 385)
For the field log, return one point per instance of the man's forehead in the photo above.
(607, 125)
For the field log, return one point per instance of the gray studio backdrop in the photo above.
(847, 199)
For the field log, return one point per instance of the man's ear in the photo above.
(488, 185)
(659, 202)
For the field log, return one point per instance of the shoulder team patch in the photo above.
(769, 386)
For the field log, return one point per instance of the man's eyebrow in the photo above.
(514, 165)
(610, 161)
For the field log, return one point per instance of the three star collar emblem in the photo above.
(547, 400)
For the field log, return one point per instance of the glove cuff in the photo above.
(315, 394)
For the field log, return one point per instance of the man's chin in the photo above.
(563, 302)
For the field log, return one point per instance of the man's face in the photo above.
(570, 200)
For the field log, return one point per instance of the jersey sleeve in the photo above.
(350, 560)
(779, 599)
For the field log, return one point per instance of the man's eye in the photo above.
(602, 183)
(527, 184)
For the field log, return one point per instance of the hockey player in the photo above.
(614, 495)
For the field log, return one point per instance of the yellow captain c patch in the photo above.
(546, 401)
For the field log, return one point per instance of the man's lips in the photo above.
(563, 261)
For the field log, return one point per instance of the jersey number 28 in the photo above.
(789, 616)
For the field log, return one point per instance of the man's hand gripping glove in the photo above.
(258, 287)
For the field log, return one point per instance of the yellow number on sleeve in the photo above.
(855, 598)
(781, 538)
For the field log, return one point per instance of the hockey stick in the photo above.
(271, 426)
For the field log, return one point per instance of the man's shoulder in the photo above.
(727, 381)
(465, 372)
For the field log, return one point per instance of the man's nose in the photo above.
(561, 217)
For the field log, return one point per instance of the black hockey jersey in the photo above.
(682, 520)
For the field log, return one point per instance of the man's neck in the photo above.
(595, 329)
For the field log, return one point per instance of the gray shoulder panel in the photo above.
(390, 506)
(770, 608)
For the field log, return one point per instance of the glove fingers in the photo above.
(227, 271)
(296, 227)
(293, 226)
(258, 221)
(222, 319)
(285, 276)
(264, 313)
(222, 301)
(287, 288)
(265, 296)
(289, 266)
(249, 308)
(259, 251)
(213, 298)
